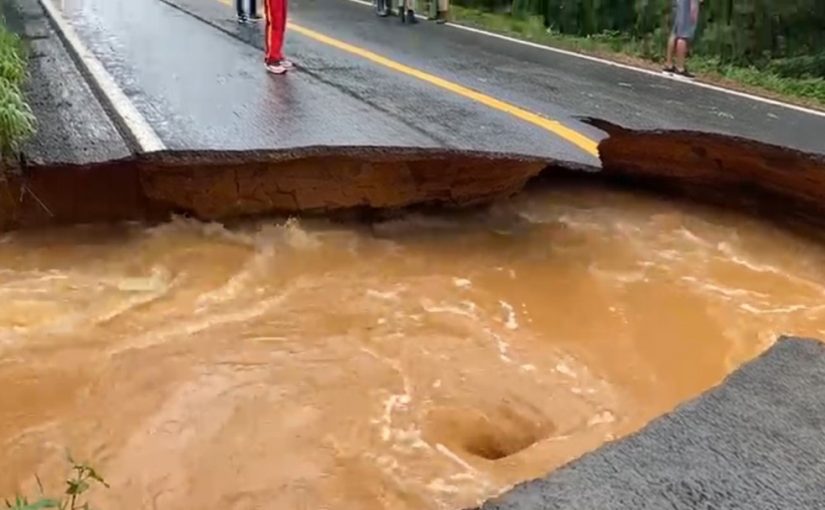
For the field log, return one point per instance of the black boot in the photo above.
(411, 19)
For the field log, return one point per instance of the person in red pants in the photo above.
(274, 35)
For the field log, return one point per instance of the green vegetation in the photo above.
(773, 46)
(81, 479)
(17, 123)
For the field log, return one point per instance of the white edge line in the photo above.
(138, 126)
(569, 53)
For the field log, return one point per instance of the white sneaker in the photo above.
(276, 68)
(287, 64)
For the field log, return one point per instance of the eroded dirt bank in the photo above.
(223, 185)
(725, 170)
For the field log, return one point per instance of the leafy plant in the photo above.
(12, 61)
(17, 122)
(80, 480)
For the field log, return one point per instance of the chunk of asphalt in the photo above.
(757, 441)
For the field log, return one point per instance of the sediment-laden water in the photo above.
(427, 362)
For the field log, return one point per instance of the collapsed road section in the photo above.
(222, 186)
(215, 185)
(196, 324)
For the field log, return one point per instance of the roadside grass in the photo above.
(81, 479)
(17, 122)
(648, 53)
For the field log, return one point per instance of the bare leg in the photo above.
(681, 53)
(671, 47)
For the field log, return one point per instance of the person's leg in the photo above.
(671, 48)
(681, 53)
(671, 42)
(282, 33)
(275, 11)
(253, 10)
(443, 8)
(411, 12)
(685, 30)
(239, 10)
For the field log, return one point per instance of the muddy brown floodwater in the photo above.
(427, 362)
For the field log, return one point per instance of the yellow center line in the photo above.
(557, 128)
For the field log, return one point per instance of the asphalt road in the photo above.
(198, 78)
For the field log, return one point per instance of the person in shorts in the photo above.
(685, 19)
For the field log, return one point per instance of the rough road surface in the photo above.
(756, 441)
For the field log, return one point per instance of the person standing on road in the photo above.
(244, 15)
(685, 19)
(442, 8)
(406, 11)
(275, 11)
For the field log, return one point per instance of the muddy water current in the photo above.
(427, 362)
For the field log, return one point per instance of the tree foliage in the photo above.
(787, 36)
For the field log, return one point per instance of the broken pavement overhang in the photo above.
(763, 179)
(215, 185)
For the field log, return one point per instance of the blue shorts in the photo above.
(683, 26)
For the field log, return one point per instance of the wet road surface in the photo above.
(198, 78)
